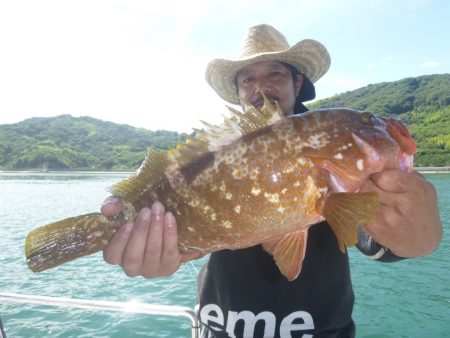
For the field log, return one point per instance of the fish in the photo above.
(258, 178)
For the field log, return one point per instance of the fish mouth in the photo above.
(398, 131)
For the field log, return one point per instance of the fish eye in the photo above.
(367, 118)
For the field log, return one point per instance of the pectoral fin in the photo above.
(289, 252)
(345, 211)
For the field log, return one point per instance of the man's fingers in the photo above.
(154, 244)
(390, 180)
(112, 206)
(147, 246)
(171, 258)
(133, 257)
(113, 251)
(394, 180)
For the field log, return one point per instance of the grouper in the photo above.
(259, 177)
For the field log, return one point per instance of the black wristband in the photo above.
(371, 248)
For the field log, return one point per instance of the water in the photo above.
(406, 299)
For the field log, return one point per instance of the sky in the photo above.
(142, 63)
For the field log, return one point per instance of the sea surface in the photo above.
(406, 299)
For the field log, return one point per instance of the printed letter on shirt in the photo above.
(250, 320)
(298, 321)
(287, 325)
(207, 316)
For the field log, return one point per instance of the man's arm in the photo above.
(407, 223)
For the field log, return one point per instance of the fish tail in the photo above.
(56, 243)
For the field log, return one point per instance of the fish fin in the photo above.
(231, 129)
(191, 256)
(346, 211)
(157, 165)
(339, 178)
(56, 243)
(289, 253)
(151, 172)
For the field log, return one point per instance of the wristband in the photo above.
(372, 249)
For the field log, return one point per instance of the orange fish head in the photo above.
(360, 144)
(386, 142)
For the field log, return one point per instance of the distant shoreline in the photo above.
(427, 170)
(67, 171)
(433, 170)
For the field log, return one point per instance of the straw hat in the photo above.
(265, 43)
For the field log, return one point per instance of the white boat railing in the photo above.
(129, 307)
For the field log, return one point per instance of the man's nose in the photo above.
(263, 87)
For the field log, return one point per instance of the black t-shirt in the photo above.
(242, 293)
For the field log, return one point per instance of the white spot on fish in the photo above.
(237, 209)
(311, 193)
(317, 141)
(229, 159)
(360, 164)
(280, 209)
(301, 161)
(191, 229)
(289, 169)
(194, 203)
(229, 195)
(95, 234)
(227, 224)
(338, 156)
(273, 198)
(255, 191)
(254, 174)
(214, 217)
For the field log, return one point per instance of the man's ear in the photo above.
(298, 83)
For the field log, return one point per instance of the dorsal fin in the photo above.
(158, 165)
(232, 128)
(150, 173)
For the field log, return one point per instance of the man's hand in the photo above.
(147, 246)
(407, 220)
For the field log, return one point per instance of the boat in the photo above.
(99, 305)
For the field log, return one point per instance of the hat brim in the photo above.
(310, 57)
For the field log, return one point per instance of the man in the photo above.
(241, 293)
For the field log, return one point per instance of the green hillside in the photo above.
(65, 142)
(422, 102)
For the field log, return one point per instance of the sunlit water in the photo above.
(406, 299)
